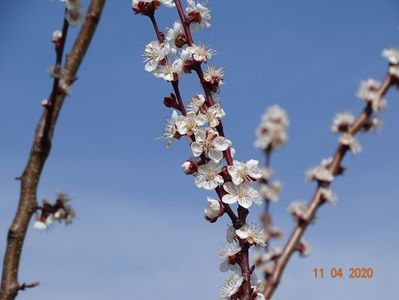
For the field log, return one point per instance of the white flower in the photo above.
(196, 103)
(170, 129)
(348, 140)
(228, 255)
(229, 249)
(230, 286)
(342, 122)
(214, 77)
(272, 130)
(247, 171)
(394, 70)
(271, 191)
(320, 173)
(368, 91)
(243, 193)
(213, 115)
(190, 123)
(72, 4)
(208, 176)
(298, 210)
(154, 53)
(57, 35)
(74, 15)
(173, 35)
(328, 195)
(168, 71)
(43, 223)
(39, 225)
(212, 211)
(214, 73)
(392, 55)
(198, 14)
(199, 53)
(210, 143)
(253, 234)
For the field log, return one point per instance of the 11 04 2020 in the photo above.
(338, 272)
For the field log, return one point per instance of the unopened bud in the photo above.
(189, 167)
(170, 101)
(213, 210)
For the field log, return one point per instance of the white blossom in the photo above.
(394, 70)
(208, 176)
(247, 171)
(229, 249)
(350, 141)
(196, 103)
(172, 35)
(212, 210)
(230, 286)
(342, 122)
(213, 115)
(214, 73)
(392, 55)
(253, 234)
(328, 195)
(210, 143)
(190, 123)
(57, 35)
(368, 91)
(199, 13)
(320, 173)
(74, 15)
(199, 53)
(168, 71)
(170, 129)
(272, 130)
(189, 167)
(243, 193)
(154, 53)
(271, 191)
(298, 210)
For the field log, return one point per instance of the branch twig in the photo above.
(39, 153)
(316, 202)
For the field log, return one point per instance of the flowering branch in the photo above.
(270, 135)
(232, 183)
(373, 93)
(63, 79)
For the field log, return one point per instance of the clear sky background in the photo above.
(140, 232)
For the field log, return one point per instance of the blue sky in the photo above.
(140, 231)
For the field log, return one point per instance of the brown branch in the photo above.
(38, 156)
(316, 202)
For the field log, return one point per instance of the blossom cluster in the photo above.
(60, 211)
(272, 130)
(230, 254)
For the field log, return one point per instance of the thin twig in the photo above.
(39, 153)
(316, 202)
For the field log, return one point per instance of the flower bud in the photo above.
(170, 101)
(189, 167)
(213, 210)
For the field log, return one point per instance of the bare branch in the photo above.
(40, 151)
